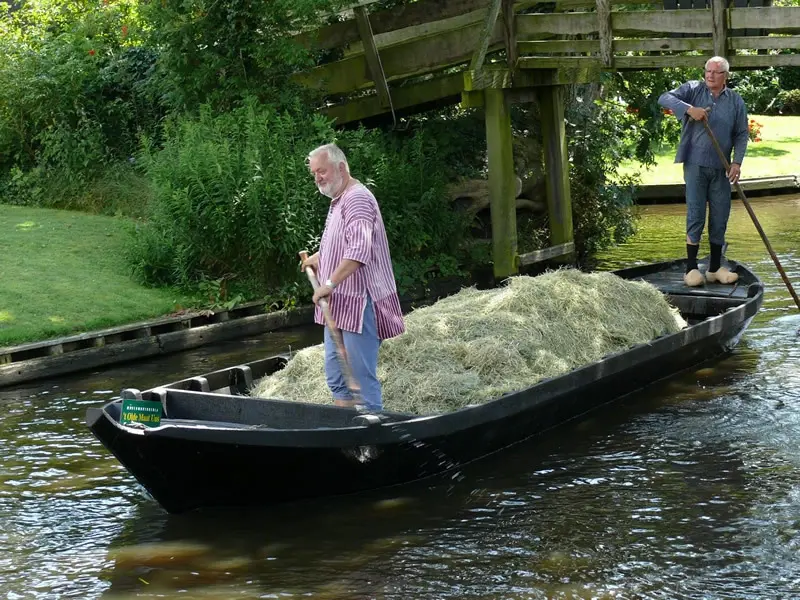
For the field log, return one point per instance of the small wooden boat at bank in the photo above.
(215, 446)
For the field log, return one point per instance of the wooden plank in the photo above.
(397, 17)
(620, 62)
(659, 21)
(623, 23)
(372, 57)
(501, 78)
(564, 5)
(630, 45)
(765, 60)
(433, 90)
(556, 163)
(604, 31)
(556, 24)
(510, 34)
(485, 37)
(502, 183)
(765, 42)
(472, 99)
(775, 19)
(558, 46)
(719, 27)
(544, 254)
(415, 57)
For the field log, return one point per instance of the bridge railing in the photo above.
(429, 51)
(646, 39)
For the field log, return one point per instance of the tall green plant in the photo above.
(233, 199)
(408, 173)
(601, 136)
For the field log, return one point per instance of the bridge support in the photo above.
(556, 163)
(502, 183)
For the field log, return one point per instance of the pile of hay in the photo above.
(477, 345)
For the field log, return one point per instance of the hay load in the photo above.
(476, 345)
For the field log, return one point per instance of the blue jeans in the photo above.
(362, 354)
(707, 185)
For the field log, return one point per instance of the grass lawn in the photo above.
(778, 153)
(62, 272)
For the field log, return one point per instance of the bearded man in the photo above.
(354, 262)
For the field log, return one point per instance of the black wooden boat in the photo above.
(216, 446)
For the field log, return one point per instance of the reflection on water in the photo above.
(687, 490)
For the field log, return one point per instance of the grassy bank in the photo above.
(778, 153)
(63, 272)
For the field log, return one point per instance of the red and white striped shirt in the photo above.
(354, 230)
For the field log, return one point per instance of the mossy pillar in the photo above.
(502, 183)
(556, 163)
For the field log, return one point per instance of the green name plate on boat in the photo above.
(143, 412)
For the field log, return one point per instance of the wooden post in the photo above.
(486, 34)
(556, 163)
(510, 34)
(719, 17)
(502, 183)
(604, 31)
(372, 57)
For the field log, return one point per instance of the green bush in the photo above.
(408, 173)
(757, 89)
(233, 201)
(601, 136)
(74, 95)
(789, 102)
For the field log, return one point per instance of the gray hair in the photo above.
(335, 155)
(722, 62)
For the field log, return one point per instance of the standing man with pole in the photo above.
(355, 265)
(707, 180)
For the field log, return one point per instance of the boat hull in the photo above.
(237, 461)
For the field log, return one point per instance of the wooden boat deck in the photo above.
(670, 281)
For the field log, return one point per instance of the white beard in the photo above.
(331, 188)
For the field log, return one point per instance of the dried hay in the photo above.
(477, 345)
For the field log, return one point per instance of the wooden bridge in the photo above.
(494, 53)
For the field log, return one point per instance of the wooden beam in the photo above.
(623, 23)
(604, 32)
(556, 163)
(633, 45)
(765, 43)
(765, 60)
(502, 183)
(510, 34)
(620, 62)
(501, 78)
(485, 36)
(564, 5)
(472, 99)
(398, 17)
(556, 24)
(558, 46)
(404, 60)
(544, 254)
(372, 57)
(720, 27)
(437, 89)
(775, 19)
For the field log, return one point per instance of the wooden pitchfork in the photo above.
(336, 334)
(752, 215)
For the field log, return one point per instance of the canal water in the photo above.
(690, 489)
